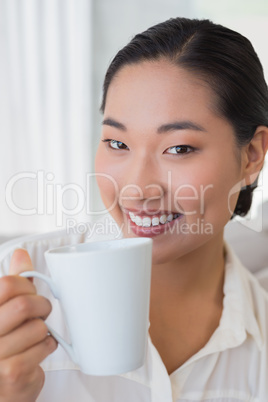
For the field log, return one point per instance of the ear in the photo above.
(255, 154)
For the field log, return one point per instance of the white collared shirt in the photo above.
(231, 367)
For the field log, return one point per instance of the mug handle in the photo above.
(66, 346)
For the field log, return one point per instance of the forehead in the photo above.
(158, 88)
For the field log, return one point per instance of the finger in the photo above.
(27, 335)
(26, 361)
(16, 387)
(18, 373)
(11, 286)
(20, 309)
(20, 261)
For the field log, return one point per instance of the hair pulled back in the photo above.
(221, 57)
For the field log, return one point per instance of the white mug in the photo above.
(104, 291)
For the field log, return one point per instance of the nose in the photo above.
(142, 183)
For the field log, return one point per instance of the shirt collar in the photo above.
(238, 320)
(239, 312)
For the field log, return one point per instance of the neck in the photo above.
(186, 302)
(196, 274)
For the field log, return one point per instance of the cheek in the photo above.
(222, 189)
(206, 189)
(108, 190)
(189, 190)
(107, 180)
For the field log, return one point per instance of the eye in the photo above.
(116, 144)
(179, 150)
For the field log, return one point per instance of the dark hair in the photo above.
(223, 58)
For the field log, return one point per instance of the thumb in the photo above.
(20, 262)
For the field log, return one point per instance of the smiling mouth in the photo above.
(146, 221)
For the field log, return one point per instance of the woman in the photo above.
(185, 132)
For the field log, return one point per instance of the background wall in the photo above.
(53, 57)
(45, 111)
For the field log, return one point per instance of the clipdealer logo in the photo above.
(51, 198)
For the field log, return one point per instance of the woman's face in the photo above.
(168, 163)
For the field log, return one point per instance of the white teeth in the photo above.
(155, 221)
(163, 219)
(138, 220)
(132, 216)
(146, 221)
(170, 217)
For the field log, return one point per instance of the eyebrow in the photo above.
(177, 125)
(113, 123)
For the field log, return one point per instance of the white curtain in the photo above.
(45, 112)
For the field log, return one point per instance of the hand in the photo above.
(24, 339)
